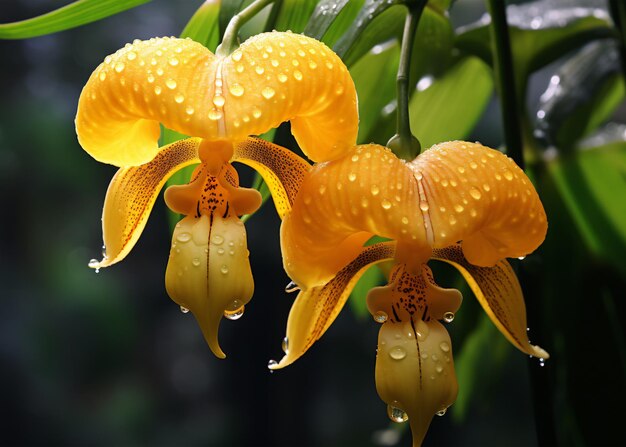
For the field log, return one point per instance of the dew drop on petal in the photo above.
(234, 314)
(271, 364)
(268, 92)
(224, 269)
(173, 61)
(236, 90)
(179, 98)
(297, 74)
(380, 316)
(475, 193)
(448, 317)
(184, 310)
(282, 77)
(119, 67)
(183, 237)
(386, 204)
(396, 414)
(397, 353)
(441, 412)
(171, 84)
(444, 346)
(218, 101)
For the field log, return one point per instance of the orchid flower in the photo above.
(457, 202)
(219, 101)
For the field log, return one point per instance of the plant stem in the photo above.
(618, 12)
(403, 143)
(505, 80)
(229, 42)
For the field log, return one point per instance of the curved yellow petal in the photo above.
(480, 196)
(271, 78)
(499, 293)
(415, 372)
(316, 308)
(341, 204)
(132, 193)
(282, 170)
(208, 272)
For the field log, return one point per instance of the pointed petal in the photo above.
(415, 372)
(316, 308)
(499, 293)
(132, 193)
(282, 170)
(208, 272)
(480, 196)
(341, 204)
(271, 78)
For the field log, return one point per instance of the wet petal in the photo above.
(132, 194)
(316, 308)
(209, 272)
(282, 170)
(480, 196)
(499, 293)
(271, 78)
(341, 204)
(415, 372)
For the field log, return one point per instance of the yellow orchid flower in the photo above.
(458, 202)
(219, 101)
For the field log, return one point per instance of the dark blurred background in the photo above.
(108, 358)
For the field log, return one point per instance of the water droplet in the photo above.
(189, 110)
(542, 362)
(458, 208)
(439, 369)
(102, 75)
(184, 310)
(150, 78)
(236, 56)
(215, 115)
(260, 70)
(157, 90)
(441, 412)
(183, 237)
(424, 206)
(195, 262)
(282, 77)
(396, 414)
(386, 204)
(131, 55)
(397, 353)
(475, 193)
(236, 90)
(234, 314)
(179, 98)
(444, 346)
(93, 263)
(119, 67)
(298, 75)
(508, 175)
(256, 113)
(375, 190)
(352, 176)
(380, 316)
(285, 345)
(271, 364)
(268, 92)
(292, 287)
(448, 317)
(173, 61)
(224, 269)
(452, 220)
(218, 101)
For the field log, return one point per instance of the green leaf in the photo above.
(71, 16)
(372, 277)
(581, 95)
(203, 27)
(592, 184)
(540, 32)
(294, 15)
(446, 110)
(227, 11)
(331, 19)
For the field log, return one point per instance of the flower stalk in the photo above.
(230, 40)
(404, 144)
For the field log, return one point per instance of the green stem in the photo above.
(618, 12)
(230, 40)
(505, 80)
(403, 143)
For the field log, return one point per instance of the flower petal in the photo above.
(415, 372)
(316, 308)
(499, 293)
(341, 204)
(282, 170)
(132, 193)
(208, 271)
(480, 196)
(271, 78)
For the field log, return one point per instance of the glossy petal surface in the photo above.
(499, 293)
(271, 78)
(316, 308)
(132, 193)
(480, 196)
(282, 170)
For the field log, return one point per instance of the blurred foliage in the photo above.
(104, 360)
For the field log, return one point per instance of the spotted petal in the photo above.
(499, 293)
(132, 193)
(271, 78)
(316, 308)
(282, 170)
(480, 196)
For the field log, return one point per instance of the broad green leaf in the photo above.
(67, 17)
(539, 33)
(372, 277)
(581, 95)
(592, 184)
(448, 109)
(332, 18)
(203, 26)
(294, 15)
(374, 77)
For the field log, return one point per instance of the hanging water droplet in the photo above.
(521, 258)
(184, 310)
(285, 345)
(397, 353)
(380, 316)
(93, 263)
(183, 237)
(448, 317)
(396, 414)
(542, 362)
(104, 252)
(271, 364)
(441, 412)
(234, 314)
(292, 287)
